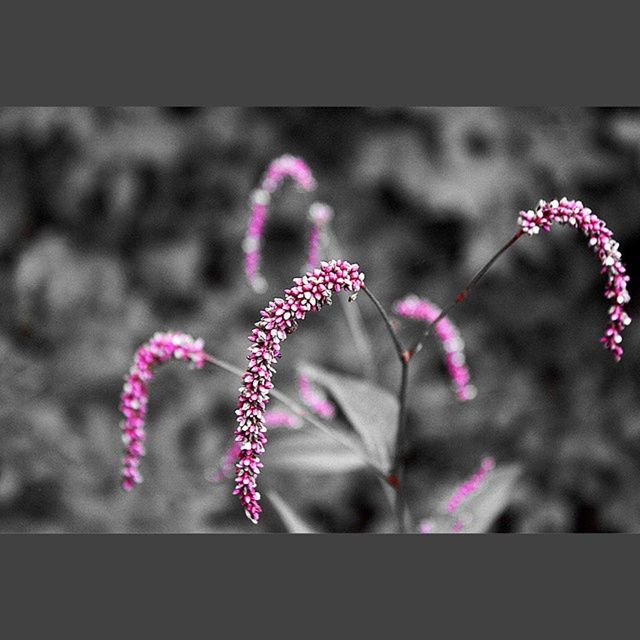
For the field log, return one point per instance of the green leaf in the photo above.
(313, 452)
(370, 409)
(291, 520)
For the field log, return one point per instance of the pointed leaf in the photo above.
(371, 410)
(291, 520)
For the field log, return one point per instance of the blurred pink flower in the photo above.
(422, 309)
(285, 166)
(320, 215)
(470, 486)
(278, 320)
(576, 215)
(135, 395)
(315, 400)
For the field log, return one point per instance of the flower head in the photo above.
(314, 399)
(277, 321)
(422, 309)
(135, 395)
(285, 166)
(576, 215)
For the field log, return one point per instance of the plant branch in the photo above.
(462, 295)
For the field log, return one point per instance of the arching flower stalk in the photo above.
(315, 400)
(135, 394)
(285, 166)
(272, 420)
(424, 310)
(576, 215)
(278, 320)
(320, 215)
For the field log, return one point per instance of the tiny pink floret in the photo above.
(286, 166)
(135, 394)
(448, 334)
(576, 215)
(278, 320)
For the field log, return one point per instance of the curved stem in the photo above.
(462, 295)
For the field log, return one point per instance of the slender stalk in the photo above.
(462, 295)
(352, 313)
(305, 415)
(396, 475)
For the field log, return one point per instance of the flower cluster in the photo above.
(278, 320)
(286, 166)
(320, 214)
(576, 215)
(316, 401)
(135, 395)
(422, 309)
(272, 420)
(470, 486)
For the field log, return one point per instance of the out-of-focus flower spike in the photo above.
(277, 321)
(577, 216)
(422, 309)
(286, 166)
(314, 399)
(135, 394)
(320, 214)
(470, 486)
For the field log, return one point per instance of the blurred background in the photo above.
(118, 222)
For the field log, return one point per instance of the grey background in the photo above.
(119, 222)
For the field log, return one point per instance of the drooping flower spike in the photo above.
(286, 166)
(278, 320)
(314, 399)
(576, 215)
(320, 215)
(424, 310)
(272, 420)
(135, 394)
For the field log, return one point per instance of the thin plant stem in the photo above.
(352, 314)
(462, 295)
(396, 475)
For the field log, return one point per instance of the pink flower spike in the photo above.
(470, 486)
(277, 321)
(314, 399)
(135, 394)
(424, 310)
(577, 216)
(320, 215)
(285, 166)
